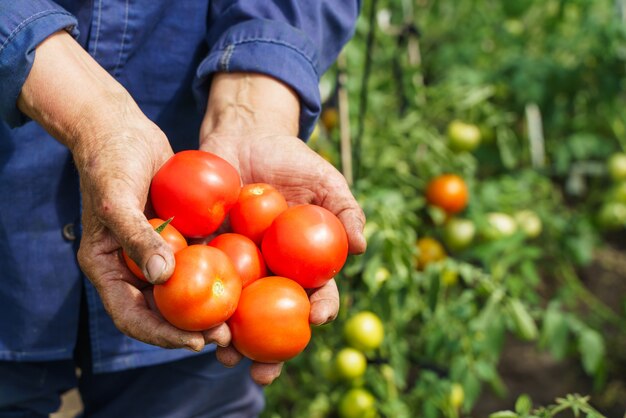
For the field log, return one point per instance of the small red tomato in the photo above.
(197, 189)
(448, 192)
(174, 238)
(306, 243)
(271, 323)
(256, 208)
(244, 254)
(203, 291)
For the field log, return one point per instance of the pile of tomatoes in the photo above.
(255, 277)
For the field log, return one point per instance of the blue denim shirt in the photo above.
(164, 53)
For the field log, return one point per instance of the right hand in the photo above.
(117, 150)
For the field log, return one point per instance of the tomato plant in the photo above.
(174, 238)
(256, 208)
(364, 331)
(244, 254)
(448, 192)
(196, 189)
(203, 291)
(306, 243)
(271, 322)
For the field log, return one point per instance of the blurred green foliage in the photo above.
(494, 64)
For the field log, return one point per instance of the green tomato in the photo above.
(612, 215)
(617, 166)
(618, 192)
(449, 277)
(529, 223)
(350, 364)
(457, 395)
(463, 136)
(357, 403)
(364, 331)
(459, 233)
(499, 225)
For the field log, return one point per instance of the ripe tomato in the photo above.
(357, 403)
(197, 189)
(429, 250)
(176, 241)
(463, 136)
(203, 291)
(350, 364)
(306, 243)
(364, 331)
(459, 233)
(271, 323)
(244, 254)
(255, 210)
(448, 192)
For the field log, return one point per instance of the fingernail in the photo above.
(156, 266)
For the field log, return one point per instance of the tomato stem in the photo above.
(161, 227)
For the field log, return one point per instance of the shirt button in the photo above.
(68, 232)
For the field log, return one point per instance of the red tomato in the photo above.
(256, 208)
(448, 192)
(203, 291)
(244, 254)
(197, 189)
(306, 243)
(271, 323)
(176, 241)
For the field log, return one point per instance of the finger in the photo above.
(324, 303)
(337, 197)
(228, 356)
(219, 335)
(265, 373)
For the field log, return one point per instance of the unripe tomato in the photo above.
(306, 243)
(174, 238)
(429, 250)
(256, 208)
(244, 254)
(448, 192)
(612, 216)
(529, 223)
(457, 396)
(364, 331)
(196, 189)
(617, 166)
(459, 233)
(357, 403)
(203, 291)
(463, 136)
(499, 225)
(271, 323)
(350, 364)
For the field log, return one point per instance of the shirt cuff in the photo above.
(272, 48)
(23, 27)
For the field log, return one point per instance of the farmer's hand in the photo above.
(252, 122)
(117, 150)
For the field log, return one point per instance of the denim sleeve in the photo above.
(23, 26)
(293, 41)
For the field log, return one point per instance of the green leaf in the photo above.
(525, 325)
(523, 405)
(504, 414)
(592, 349)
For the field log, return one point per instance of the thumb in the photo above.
(142, 243)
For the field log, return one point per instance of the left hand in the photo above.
(251, 122)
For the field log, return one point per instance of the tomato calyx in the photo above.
(161, 227)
